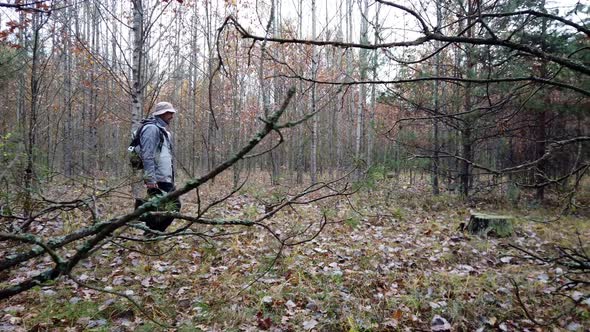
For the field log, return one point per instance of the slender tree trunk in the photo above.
(467, 153)
(32, 125)
(93, 91)
(237, 91)
(236, 132)
(371, 127)
(274, 155)
(211, 128)
(67, 100)
(264, 91)
(114, 36)
(436, 121)
(21, 108)
(194, 66)
(299, 111)
(362, 102)
(541, 121)
(339, 136)
(350, 103)
(137, 96)
(314, 128)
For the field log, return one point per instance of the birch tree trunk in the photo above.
(274, 155)
(314, 128)
(265, 98)
(137, 96)
(339, 136)
(362, 102)
(350, 104)
(371, 127)
(299, 110)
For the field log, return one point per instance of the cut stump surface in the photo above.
(490, 225)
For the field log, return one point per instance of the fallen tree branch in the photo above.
(99, 232)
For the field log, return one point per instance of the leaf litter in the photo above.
(368, 270)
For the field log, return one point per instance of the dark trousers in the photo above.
(160, 223)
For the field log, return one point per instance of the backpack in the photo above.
(134, 149)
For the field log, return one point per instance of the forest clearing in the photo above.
(389, 258)
(277, 165)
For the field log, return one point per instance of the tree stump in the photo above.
(490, 225)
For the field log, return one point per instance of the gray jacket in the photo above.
(157, 161)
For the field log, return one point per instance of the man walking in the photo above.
(156, 152)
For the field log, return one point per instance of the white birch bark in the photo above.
(362, 101)
(375, 63)
(137, 98)
(299, 110)
(314, 130)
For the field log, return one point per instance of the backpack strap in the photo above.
(163, 135)
(137, 137)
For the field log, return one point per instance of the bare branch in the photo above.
(101, 231)
(428, 36)
(548, 151)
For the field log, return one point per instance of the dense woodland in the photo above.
(337, 114)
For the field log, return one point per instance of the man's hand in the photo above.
(153, 189)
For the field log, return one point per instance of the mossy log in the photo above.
(490, 225)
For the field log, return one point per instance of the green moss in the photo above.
(398, 214)
(66, 314)
(353, 221)
(250, 212)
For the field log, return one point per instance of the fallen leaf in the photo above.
(439, 324)
(264, 323)
(309, 324)
(543, 277)
(290, 305)
(506, 259)
(492, 321)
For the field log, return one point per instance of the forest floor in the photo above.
(390, 258)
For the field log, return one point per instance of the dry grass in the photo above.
(391, 267)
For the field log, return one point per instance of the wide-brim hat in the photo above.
(163, 107)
